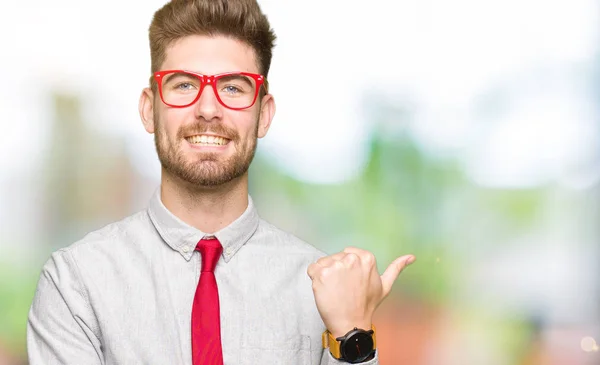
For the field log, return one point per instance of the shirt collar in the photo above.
(183, 238)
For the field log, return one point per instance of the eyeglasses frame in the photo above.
(260, 80)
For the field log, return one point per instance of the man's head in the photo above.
(207, 37)
(238, 19)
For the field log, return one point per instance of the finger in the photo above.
(313, 270)
(366, 257)
(328, 260)
(391, 273)
(350, 259)
(354, 250)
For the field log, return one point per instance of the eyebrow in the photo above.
(170, 76)
(245, 79)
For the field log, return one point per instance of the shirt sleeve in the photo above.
(61, 328)
(328, 359)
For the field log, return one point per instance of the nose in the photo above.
(208, 107)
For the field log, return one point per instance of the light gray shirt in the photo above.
(123, 295)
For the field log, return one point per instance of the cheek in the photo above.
(246, 125)
(248, 133)
(171, 120)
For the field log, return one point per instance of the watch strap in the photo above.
(329, 341)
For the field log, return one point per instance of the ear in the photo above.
(146, 108)
(267, 112)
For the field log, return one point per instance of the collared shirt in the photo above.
(124, 294)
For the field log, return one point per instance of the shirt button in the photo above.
(185, 249)
(229, 251)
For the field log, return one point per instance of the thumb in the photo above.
(391, 273)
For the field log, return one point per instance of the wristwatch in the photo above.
(355, 347)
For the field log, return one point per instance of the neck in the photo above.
(208, 209)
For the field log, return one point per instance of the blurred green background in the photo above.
(464, 132)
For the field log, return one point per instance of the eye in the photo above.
(231, 89)
(184, 86)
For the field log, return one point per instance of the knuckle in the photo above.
(351, 258)
(368, 258)
(325, 273)
(339, 255)
(338, 265)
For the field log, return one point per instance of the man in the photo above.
(198, 277)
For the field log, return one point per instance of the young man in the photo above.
(198, 277)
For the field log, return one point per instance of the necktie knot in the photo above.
(210, 250)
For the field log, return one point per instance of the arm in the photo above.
(60, 324)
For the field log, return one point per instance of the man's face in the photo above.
(207, 144)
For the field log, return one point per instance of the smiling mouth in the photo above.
(206, 140)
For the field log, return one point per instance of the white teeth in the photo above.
(207, 140)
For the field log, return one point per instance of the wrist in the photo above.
(342, 329)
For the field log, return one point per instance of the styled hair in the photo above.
(242, 20)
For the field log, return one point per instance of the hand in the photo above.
(348, 288)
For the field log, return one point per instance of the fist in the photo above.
(348, 288)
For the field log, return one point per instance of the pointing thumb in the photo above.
(391, 273)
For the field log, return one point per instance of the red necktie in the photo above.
(206, 323)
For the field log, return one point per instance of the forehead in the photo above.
(210, 55)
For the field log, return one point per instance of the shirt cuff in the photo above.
(334, 361)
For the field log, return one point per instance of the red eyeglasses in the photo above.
(234, 90)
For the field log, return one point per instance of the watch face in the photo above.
(357, 347)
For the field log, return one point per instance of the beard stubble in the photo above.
(205, 169)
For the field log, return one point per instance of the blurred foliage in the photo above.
(403, 202)
(17, 285)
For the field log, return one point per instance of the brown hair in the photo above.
(239, 19)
